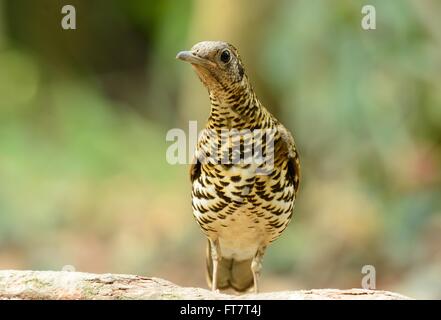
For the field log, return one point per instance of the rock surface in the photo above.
(39, 285)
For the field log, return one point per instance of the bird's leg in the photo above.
(256, 266)
(215, 257)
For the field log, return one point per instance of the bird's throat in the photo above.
(236, 108)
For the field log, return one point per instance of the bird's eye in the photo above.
(225, 56)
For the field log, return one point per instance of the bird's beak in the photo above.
(190, 57)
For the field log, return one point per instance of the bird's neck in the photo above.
(236, 108)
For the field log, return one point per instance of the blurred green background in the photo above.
(84, 113)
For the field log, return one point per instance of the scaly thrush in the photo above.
(246, 171)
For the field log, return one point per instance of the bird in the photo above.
(245, 175)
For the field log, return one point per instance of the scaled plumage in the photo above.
(241, 203)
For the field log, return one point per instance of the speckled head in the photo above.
(217, 64)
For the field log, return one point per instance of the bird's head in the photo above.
(217, 64)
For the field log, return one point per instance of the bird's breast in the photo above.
(240, 207)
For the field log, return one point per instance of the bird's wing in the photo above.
(195, 169)
(293, 156)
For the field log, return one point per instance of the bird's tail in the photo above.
(231, 273)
